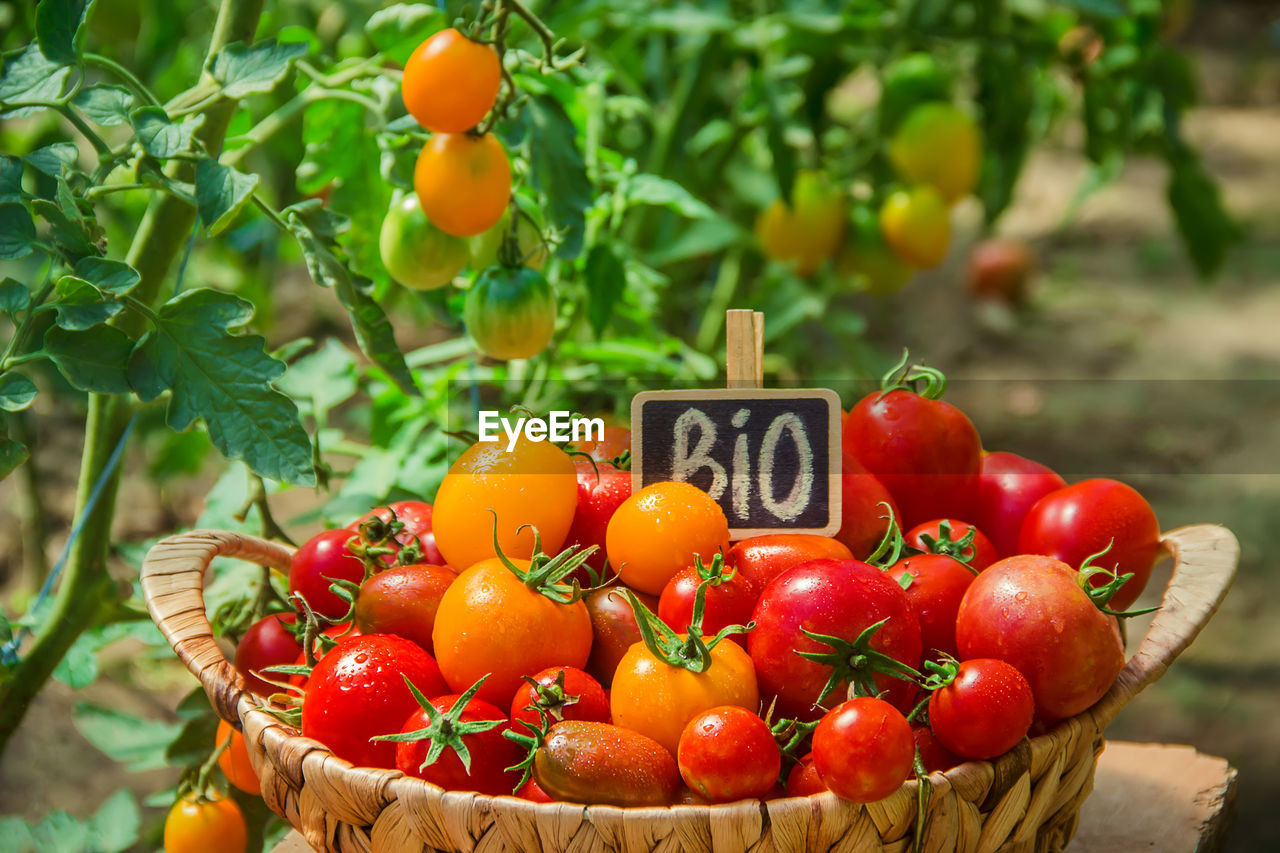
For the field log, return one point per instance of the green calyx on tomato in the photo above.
(546, 574)
(446, 730)
(1101, 595)
(904, 375)
(692, 653)
(417, 253)
(511, 312)
(715, 574)
(889, 550)
(856, 662)
(961, 550)
(791, 735)
(912, 80)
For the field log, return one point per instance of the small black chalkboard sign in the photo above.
(769, 457)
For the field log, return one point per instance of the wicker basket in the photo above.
(1027, 800)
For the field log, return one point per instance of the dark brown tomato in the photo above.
(614, 627)
(403, 601)
(581, 762)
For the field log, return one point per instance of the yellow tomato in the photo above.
(916, 225)
(659, 530)
(534, 484)
(940, 145)
(808, 231)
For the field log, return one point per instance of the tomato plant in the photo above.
(450, 82)
(939, 145)
(458, 166)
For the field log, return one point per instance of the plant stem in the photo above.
(87, 591)
(31, 508)
(125, 75)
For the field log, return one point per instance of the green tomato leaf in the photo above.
(107, 106)
(30, 78)
(130, 740)
(16, 836)
(1207, 230)
(115, 825)
(114, 278)
(221, 192)
(701, 238)
(59, 26)
(60, 831)
(557, 170)
(1006, 94)
(159, 136)
(191, 746)
(243, 70)
(94, 360)
(10, 179)
(660, 192)
(14, 296)
(225, 380)
(81, 306)
(52, 159)
(16, 391)
(17, 232)
(12, 454)
(74, 234)
(325, 378)
(398, 30)
(606, 281)
(784, 158)
(1098, 8)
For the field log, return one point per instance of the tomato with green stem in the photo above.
(403, 600)
(321, 561)
(410, 523)
(863, 749)
(463, 182)
(957, 539)
(561, 693)
(728, 753)
(450, 82)
(205, 825)
(416, 253)
(614, 629)
(980, 708)
(511, 312)
(271, 641)
(729, 597)
(935, 585)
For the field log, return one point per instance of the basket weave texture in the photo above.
(1026, 801)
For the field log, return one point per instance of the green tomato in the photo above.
(867, 260)
(908, 82)
(484, 246)
(511, 312)
(416, 253)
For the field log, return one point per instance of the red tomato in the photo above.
(575, 696)
(614, 628)
(803, 780)
(980, 551)
(839, 598)
(925, 451)
(729, 601)
(1008, 486)
(984, 712)
(269, 642)
(337, 632)
(1029, 611)
(863, 516)
(358, 691)
(615, 442)
(728, 753)
(416, 517)
(403, 600)
(320, 561)
(488, 751)
(1082, 519)
(533, 792)
(601, 490)
(933, 755)
(938, 583)
(760, 559)
(863, 749)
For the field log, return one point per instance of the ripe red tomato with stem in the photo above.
(865, 506)
(980, 708)
(561, 693)
(271, 641)
(613, 627)
(322, 560)
(760, 559)
(1008, 486)
(602, 488)
(411, 522)
(358, 691)
(728, 753)
(863, 749)
(957, 539)
(935, 585)
(925, 451)
(1092, 516)
(730, 598)
(403, 600)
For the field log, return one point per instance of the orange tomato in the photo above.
(807, 231)
(491, 623)
(916, 225)
(450, 82)
(534, 484)
(212, 826)
(463, 182)
(659, 530)
(234, 761)
(654, 698)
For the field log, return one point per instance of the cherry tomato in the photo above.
(660, 529)
(208, 826)
(403, 600)
(613, 442)
(868, 260)
(416, 517)
(760, 559)
(938, 583)
(981, 552)
(925, 452)
(577, 696)
(450, 82)
(269, 642)
(1084, 518)
(863, 749)
(728, 754)
(1000, 270)
(939, 145)
(840, 598)
(806, 231)
(984, 712)
(416, 253)
(532, 486)
(916, 226)
(337, 632)
(581, 762)
(933, 755)
(491, 623)
(488, 751)
(803, 780)
(234, 760)
(864, 516)
(613, 624)
(729, 600)
(323, 559)
(1030, 611)
(463, 182)
(531, 247)
(602, 488)
(511, 312)
(1008, 486)
(358, 691)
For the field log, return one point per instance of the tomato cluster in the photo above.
(542, 630)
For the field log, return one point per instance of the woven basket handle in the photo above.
(1205, 558)
(173, 586)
